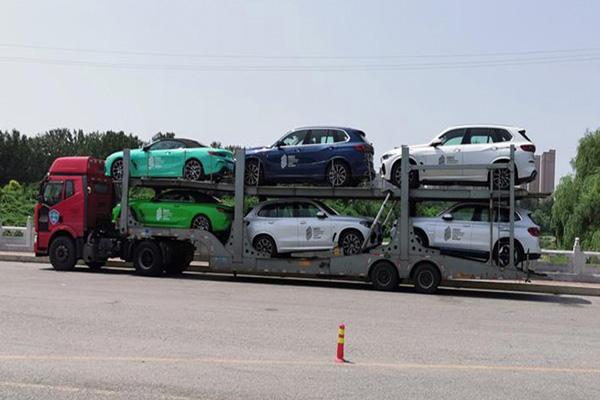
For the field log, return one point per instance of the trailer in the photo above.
(156, 250)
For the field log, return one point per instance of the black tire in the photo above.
(62, 253)
(426, 277)
(116, 169)
(384, 276)
(501, 252)
(95, 265)
(265, 244)
(193, 171)
(396, 177)
(351, 242)
(421, 238)
(148, 259)
(338, 174)
(254, 173)
(201, 222)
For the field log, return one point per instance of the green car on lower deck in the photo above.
(178, 208)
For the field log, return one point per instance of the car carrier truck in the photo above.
(73, 222)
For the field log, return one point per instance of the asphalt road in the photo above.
(114, 335)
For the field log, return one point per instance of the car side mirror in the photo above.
(436, 142)
(146, 147)
(279, 144)
(321, 214)
(447, 217)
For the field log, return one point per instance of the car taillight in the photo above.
(534, 231)
(224, 210)
(363, 148)
(528, 147)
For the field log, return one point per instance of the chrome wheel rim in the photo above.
(252, 173)
(425, 279)
(62, 253)
(192, 170)
(338, 174)
(351, 244)
(117, 170)
(504, 255)
(501, 178)
(201, 223)
(397, 176)
(264, 245)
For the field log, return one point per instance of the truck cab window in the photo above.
(69, 189)
(53, 192)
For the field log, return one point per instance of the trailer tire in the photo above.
(148, 259)
(182, 256)
(426, 277)
(384, 276)
(62, 253)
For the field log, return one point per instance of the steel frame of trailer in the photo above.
(237, 256)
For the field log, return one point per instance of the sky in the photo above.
(245, 72)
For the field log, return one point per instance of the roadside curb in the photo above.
(548, 287)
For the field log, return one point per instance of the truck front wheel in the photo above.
(62, 254)
(148, 259)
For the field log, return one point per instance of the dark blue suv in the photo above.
(337, 156)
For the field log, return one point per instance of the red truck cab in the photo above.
(75, 198)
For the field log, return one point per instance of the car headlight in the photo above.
(366, 223)
(385, 156)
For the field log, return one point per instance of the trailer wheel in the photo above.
(384, 276)
(426, 277)
(62, 254)
(182, 256)
(148, 259)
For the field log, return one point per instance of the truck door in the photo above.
(61, 205)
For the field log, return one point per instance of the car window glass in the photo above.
(268, 211)
(285, 210)
(53, 193)
(465, 213)
(338, 136)
(480, 136)
(167, 145)
(504, 215)
(69, 189)
(293, 139)
(482, 214)
(500, 135)
(307, 210)
(453, 138)
(318, 136)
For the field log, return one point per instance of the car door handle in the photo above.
(302, 222)
(456, 150)
(271, 222)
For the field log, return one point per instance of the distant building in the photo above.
(546, 167)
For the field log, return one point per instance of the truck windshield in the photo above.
(53, 193)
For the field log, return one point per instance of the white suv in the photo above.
(290, 225)
(466, 145)
(464, 230)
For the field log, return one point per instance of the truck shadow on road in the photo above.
(567, 300)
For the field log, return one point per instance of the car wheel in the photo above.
(421, 238)
(427, 278)
(201, 222)
(351, 242)
(502, 253)
(413, 176)
(253, 175)
(384, 276)
(148, 259)
(192, 170)
(338, 173)
(62, 254)
(265, 244)
(116, 169)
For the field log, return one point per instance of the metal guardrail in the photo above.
(17, 238)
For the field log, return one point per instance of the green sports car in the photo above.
(173, 158)
(178, 208)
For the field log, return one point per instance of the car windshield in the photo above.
(327, 209)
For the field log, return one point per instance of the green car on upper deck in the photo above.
(173, 158)
(180, 208)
